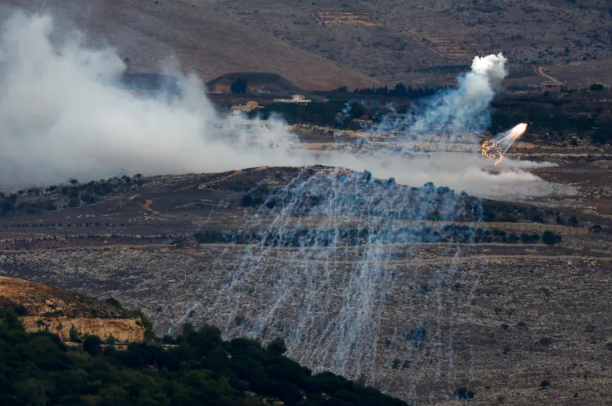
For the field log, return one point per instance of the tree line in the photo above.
(196, 368)
(399, 90)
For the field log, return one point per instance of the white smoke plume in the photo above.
(461, 111)
(61, 117)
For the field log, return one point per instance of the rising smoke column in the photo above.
(463, 110)
(454, 112)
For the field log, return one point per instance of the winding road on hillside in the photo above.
(541, 72)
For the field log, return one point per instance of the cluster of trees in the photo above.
(35, 200)
(497, 211)
(197, 368)
(399, 90)
(209, 236)
(305, 237)
(239, 86)
(9, 205)
(317, 113)
(436, 203)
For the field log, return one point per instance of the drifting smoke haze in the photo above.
(61, 116)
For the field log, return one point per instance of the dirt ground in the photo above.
(415, 320)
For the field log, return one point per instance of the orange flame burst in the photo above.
(518, 130)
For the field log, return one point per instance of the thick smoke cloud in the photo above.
(461, 111)
(61, 117)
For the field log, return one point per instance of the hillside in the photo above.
(198, 368)
(152, 33)
(398, 40)
(60, 311)
(323, 44)
(415, 314)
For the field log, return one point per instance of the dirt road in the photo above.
(541, 72)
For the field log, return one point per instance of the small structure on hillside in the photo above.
(296, 99)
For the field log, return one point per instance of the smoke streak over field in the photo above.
(61, 116)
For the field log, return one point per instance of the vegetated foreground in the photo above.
(494, 319)
(197, 367)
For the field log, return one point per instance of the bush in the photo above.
(239, 85)
(74, 335)
(464, 393)
(20, 310)
(546, 341)
(114, 302)
(550, 238)
(88, 199)
(277, 347)
(93, 345)
(209, 236)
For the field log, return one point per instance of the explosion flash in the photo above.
(496, 147)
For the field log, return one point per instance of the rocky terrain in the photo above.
(325, 45)
(416, 319)
(157, 35)
(60, 311)
(500, 320)
(433, 40)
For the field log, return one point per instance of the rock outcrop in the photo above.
(60, 311)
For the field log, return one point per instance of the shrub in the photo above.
(277, 347)
(20, 310)
(209, 236)
(113, 302)
(93, 345)
(88, 199)
(464, 393)
(546, 341)
(74, 335)
(549, 238)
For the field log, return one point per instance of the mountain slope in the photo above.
(392, 39)
(152, 33)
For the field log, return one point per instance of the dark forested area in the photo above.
(197, 368)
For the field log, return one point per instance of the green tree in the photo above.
(93, 345)
(277, 347)
(549, 238)
(74, 335)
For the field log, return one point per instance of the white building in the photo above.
(296, 99)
